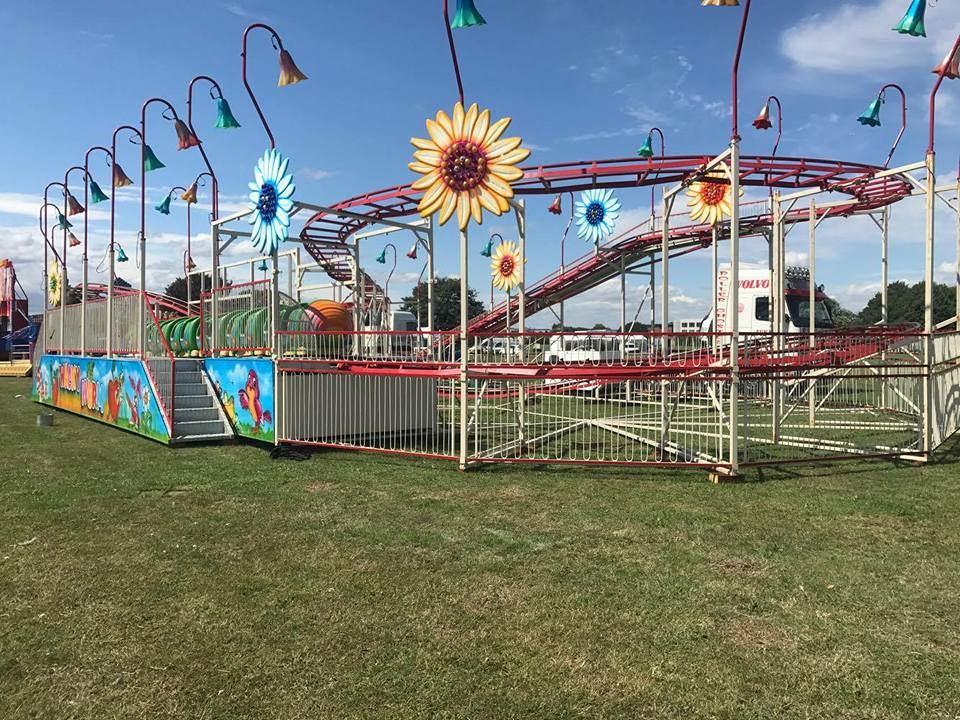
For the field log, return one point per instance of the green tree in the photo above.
(842, 318)
(446, 303)
(178, 288)
(905, 304)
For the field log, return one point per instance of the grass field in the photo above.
(142, 582)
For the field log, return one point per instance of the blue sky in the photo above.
(582, 80)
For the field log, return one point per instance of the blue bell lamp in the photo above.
(912, 22)
(466, 15)
(871, 116)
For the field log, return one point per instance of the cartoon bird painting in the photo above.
(250, 401)
(134, 402)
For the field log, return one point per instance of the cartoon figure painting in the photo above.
(117, 392)
(245, 390)
(250, 401)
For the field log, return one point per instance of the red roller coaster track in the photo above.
(323, 232)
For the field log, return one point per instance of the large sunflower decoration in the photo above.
(55, 285)
(710, 200)
(271, 201)
(505, 264)
(596, 212)
(467, 166)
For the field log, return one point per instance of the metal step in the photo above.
(189, 402)
(192, 377)
(179, 440)
(192, 428)
(189, 388)
(209, 413)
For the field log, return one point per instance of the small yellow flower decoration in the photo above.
(55, 285)
(710, 201)
(466, 166)
(506, 264)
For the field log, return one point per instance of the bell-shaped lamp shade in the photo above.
(72, 240)
(912, 22)
(150, 160)
(763, 119)
(73, 207)
(62, 222)
(121, 255)
(412, 252)
(466, 15)
(120, 178)
(164, 207)
(190, 194)
(185, 138)
(871, 115)
(225, 118)
(720, 3)
(646, 150)
(382, 257)
(290, 74)
(191, 265)
(262, 267)
(952, 65)
(556, 207)
(488, 249)
(96, 194)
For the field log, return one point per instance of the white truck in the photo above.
(754, 314)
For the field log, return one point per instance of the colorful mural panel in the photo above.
(116, 392)
(245, 389)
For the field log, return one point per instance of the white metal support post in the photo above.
(664, 318)
(776, 307)
(811, 310)
(734, 306)
(521, 215)
(141, 315)
(111, 270)
(431, 280)
(715, 269)
(928, 264)
(64, 282)
(83, 291)
(214, 284)
(464, 345)
(885, 265)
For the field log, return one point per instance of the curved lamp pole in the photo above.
(187, 139)
(72, 207)
(763, 121)
(48, 247)
(63, 258)
(225, 119)
(929, 255)
(289, 72)
(734, 458)
(871, 117)
(382, 259)
(646, 151)
(453, 48)
(99, 197)
(120, 179)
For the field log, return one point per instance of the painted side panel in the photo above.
(244, 387)
(116, 392)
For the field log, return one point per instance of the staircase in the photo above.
(197, 416)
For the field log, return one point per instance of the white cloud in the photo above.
(317, 174)
(856, 37)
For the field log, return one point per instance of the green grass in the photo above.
(137, 581)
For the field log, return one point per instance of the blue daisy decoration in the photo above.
(596, 212)
(271, 201)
